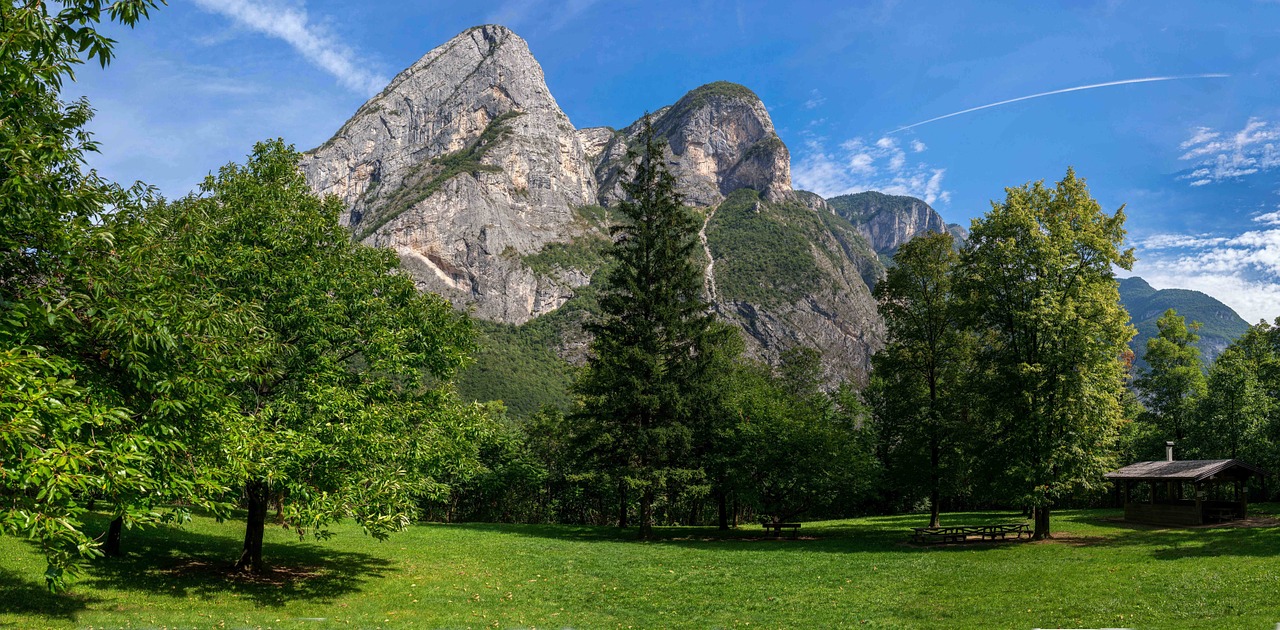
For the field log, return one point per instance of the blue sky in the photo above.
(1196, 161)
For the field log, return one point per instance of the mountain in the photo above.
(464, 164)
(1219, 324)
(888, 221)
(467, 167)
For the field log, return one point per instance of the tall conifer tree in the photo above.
(649, 352)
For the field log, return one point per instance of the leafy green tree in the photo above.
(346, 412)
(1237, 416)
(795, 453)
(1233, 417)
(1174, 381)
(652, 344)
(1038, 280)
(66, 441)
(924, 362)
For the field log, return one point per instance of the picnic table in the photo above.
(962, 533)
(778, 527)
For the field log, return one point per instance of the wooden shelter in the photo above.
(1184, 492)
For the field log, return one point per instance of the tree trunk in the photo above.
(935, 451)
(1042, 523)
(722, 504)
(646, 514)
(935, 492)
(112, 545)
(257, 500)
(622, 506)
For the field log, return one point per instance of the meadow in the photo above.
(850, 573)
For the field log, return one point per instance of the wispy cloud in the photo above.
(859, 165)
(1241, 270)
(1216, 157)
(1078, 88)
(816, 99)
(312, 40)
(550, 14)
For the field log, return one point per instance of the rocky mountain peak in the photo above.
(888, 221)
(463, 164)
(720, 138)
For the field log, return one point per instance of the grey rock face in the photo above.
(419, 174)
(840, 321)
(888, 221)
(719, 138)
(466, 166)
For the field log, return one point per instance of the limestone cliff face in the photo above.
(719, 139)
(463, 164)
(467, 167)
(888, 221)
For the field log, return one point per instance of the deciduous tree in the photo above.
(1174, 381)
(924, 362)
(1038, 279)
(346, 412)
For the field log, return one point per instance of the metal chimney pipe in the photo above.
(1168, 451)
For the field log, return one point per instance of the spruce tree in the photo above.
(650, 347)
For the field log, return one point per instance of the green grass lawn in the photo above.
(854, 573)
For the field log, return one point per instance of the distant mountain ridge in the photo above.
(1220, 324)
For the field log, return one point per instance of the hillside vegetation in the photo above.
(1219, 324)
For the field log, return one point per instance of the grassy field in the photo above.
(855, 573)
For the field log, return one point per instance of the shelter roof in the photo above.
(1194, 470)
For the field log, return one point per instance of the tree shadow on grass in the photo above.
(1177, 543)
(22, 595)
(872, 534)
(182, 563)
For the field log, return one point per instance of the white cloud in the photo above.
(816, 99)
(1270, 218)
(1253, 300)
(1216, 157)
(858, 165)
(1242, 271)
(313, 41)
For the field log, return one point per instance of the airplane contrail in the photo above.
(1063, 91)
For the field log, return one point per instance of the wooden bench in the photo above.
(778, 527)
(963, 532)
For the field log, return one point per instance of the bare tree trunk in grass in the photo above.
(1041, 515)
(251, 556)
(111, 547)
(935, 492)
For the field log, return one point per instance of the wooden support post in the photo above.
(1242, 499)
(1199, 504)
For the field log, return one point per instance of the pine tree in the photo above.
(650, 347)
